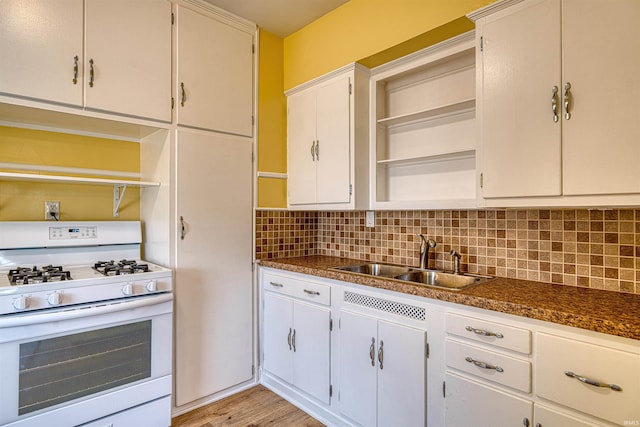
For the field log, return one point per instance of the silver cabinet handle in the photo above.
(183, 94)
(313, 151)
(483, 332)
(372, 352)
(75, 69)
(567, 100)
(318, 150)
(483, 365)
(554, 103)
(293, 340)
(277, 285)
(592, 382)
(182, 229)
(91, 72)
(289, 339)
(525, 422)
(307, 291)
(380, 353)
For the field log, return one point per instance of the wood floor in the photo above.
(255, 407)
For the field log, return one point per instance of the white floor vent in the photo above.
(405, 310)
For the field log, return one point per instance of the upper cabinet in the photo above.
(423, 143)
(89, 54)
(327, 141)
(558, 112)
(214, 71)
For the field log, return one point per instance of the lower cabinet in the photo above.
(297, 336)
(382, 372)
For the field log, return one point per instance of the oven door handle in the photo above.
(79, 312)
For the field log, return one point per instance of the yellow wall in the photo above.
(272, 117)
(362, 28)
(24, 201)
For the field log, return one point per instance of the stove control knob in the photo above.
(127, 289)
(21, 303)
(54, 298)
(152, 286)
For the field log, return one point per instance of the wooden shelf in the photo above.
(14, 176)
(428, 159)
(443, 111)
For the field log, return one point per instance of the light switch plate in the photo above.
(370, 219)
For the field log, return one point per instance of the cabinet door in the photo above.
(130, 45)
(215, 67)
(521, 148)
(358, 367)
(213, 284)
(333, 158)
(38, 42)
(469, 403)
(601, 60)
(277, 336)
(301, 137)
(402, 375)
(311, 352)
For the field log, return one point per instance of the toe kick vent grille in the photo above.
(380, 304)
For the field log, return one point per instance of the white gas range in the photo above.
(85, 326)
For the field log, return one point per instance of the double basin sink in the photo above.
(434, 278)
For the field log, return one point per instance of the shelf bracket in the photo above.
(118, 195)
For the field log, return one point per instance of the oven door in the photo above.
(69, 367)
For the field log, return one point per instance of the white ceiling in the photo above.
(279, 17)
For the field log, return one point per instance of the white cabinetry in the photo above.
(327, 141)
(382, 372)
(116, 67)
(213, 256)
(558, 112)
(423, 144)
(214, 71)
(296, 333)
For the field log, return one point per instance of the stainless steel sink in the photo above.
(433, 278)
(443, 280)
(375, 269)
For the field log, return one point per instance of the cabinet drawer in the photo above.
(557, 355)
(496, 334)
(492, 366)
(305, 290)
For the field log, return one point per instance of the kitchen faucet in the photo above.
(456, 261)
(425, 245)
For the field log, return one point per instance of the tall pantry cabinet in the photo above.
(207, 232)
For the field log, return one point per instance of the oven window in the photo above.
(57, 370)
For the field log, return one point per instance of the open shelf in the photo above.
(430, 114)
(428, 159)
(14, 176)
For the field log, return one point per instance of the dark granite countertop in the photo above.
(613, 313)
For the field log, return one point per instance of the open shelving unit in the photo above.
(423, 129)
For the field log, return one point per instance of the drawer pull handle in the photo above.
(277, 285)
(592, 382)
(381, 354)
(307, 291)
(289, 339)
(483, 332)
(293, 340)
(483, 365)
(372, 352)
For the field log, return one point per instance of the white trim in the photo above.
(274, 175)
(490, 9)
(220, 14)
(68, 170)
(326, 77)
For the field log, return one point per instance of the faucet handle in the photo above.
(456, 261)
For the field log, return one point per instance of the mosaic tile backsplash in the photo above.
(587, 248)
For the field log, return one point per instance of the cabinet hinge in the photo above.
(350, 189)
(253, 120)
(330, 390)
(481, 43)
(253, 264)
(350, 88)
(330, 325)
(253, 48)
(482, 180)
(426, 350)
(253, 369)
(444, 389)
(173, 101)
(173, 18)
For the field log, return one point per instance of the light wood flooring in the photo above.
(255, 407)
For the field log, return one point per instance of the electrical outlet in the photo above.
(370, 219)
(52, 211)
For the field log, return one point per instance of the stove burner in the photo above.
(27, 276)
(112, 268)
